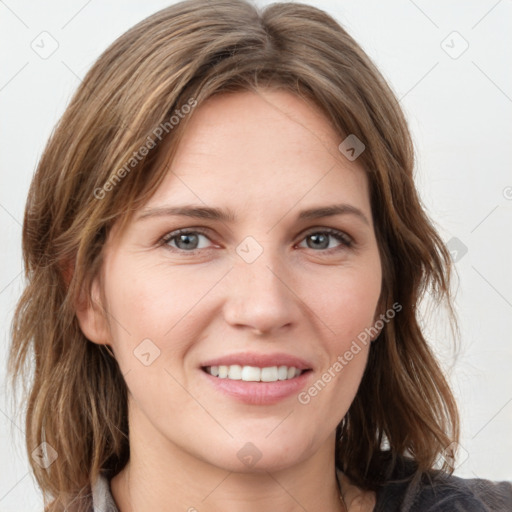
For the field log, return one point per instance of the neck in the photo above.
(230, 492)
(162, 476)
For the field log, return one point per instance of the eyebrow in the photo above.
(211, 213)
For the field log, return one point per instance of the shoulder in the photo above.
(437, 491)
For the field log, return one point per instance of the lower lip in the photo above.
(259, 393)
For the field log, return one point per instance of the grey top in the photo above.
(438, 493)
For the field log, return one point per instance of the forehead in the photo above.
(261, 151)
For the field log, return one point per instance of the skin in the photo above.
(266, 156)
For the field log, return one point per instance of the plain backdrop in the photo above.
(449, 64)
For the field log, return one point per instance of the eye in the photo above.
(320, 239)
(184, 240)
(187, 240)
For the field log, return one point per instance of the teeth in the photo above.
(235, 372)
(269, 374)
(253, 373)
(282, 373)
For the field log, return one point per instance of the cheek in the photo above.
(153, 301)
(347, 306)
(349, 310)
(150, 312)
(347, 303)
(159, 303)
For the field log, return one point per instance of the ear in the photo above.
(92, 316)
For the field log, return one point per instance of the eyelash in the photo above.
(345, 240)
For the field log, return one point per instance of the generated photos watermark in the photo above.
(363, 338)
(151, 142)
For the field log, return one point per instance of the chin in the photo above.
(264, 452)
(268, 463)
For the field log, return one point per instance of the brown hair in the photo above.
(77, 399)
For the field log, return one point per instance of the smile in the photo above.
(254, 373)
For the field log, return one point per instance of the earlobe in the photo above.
(91, 316)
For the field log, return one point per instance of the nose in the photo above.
(260, 296)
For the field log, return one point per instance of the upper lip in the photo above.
(259, 360)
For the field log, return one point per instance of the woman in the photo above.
(225, 253)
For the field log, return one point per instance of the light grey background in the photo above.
(459, 106)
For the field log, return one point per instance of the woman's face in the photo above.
(258, 282)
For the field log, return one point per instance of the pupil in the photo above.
(318, 237)
(186, 240)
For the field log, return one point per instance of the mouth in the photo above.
(257, 379)
(254, 373)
